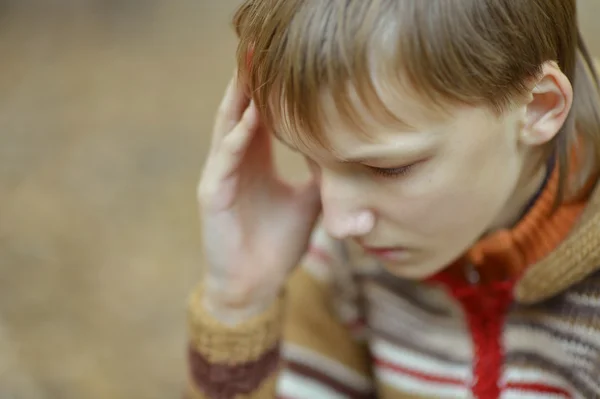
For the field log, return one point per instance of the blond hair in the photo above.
(473, 52)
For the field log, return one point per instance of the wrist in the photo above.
(232, 316)
(234, 306)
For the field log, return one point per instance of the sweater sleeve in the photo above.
(307, 345)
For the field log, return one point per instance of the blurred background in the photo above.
(106, 109)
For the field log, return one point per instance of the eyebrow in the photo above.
(385, 153)
(374, 154)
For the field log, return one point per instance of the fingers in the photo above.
(223, 162)
(234, 103)
(234, 145)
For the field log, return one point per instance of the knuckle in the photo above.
(205, 186)
(232, 144)
(205, 192)
(222, 110)
(228, 144)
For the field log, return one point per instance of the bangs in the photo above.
(363, 54)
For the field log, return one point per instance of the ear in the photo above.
(549, 104)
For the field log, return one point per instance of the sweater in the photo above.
(518, 316)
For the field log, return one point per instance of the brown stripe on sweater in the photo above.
(387, 391)
(386, 310)
(592, 350)
(407, 292)
(564, 307)
(415, 345)
(585, 316)
(226, 381)
(589, 286)
(326, 380)
(569, 374)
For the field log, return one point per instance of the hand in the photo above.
(256, 227)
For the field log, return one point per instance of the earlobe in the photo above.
(548, 108)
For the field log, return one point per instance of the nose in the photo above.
(344, 212)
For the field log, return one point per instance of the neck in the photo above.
(505, 254)
(529, 185)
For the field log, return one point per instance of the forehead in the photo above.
(343, 129)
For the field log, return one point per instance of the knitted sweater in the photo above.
(517, 317)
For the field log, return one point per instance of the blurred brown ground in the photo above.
(105, 113)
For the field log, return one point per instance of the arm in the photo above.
(320, 355)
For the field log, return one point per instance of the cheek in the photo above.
(441, 210)
(462, 191)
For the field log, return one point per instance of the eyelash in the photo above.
(392, 172)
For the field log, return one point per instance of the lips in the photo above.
(387, 253)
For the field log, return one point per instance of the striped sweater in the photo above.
(517, 317)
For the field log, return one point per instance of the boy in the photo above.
(454, 147)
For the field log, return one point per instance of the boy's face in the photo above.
(419, 196)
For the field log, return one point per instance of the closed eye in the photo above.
(393, 172)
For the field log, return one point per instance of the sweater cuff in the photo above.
(245, 342)
(227, 361)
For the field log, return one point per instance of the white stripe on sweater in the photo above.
(525, 375)
(516, 394)
(579, 331)
(393, 314)
(293, 386)
(522, 375)
(553, 350)
(407, 384)
(517, 339)
(327, 366)
(582, 299)
(418, 362)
